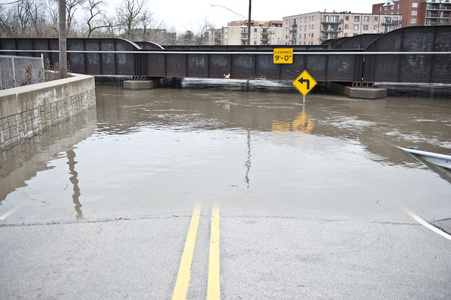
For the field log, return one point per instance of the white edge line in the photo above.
(426, 224)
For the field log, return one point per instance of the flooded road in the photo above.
(234, 191)
(257, 152)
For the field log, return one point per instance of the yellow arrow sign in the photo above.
(304, 83)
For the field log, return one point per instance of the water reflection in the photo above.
(24, 161)
(248, 163)
(74, 180)
(303, 122)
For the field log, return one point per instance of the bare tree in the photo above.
(145, 20)
(6, 26)
(199, 37)
(202, 35)
(95, 19)
(23, 18)
(111, 26)
(129, 14)
(52, 7)
(187, 38)
(37, 18)
(71, 7)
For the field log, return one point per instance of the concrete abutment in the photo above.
(28, 110)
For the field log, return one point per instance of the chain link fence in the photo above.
(19, 71)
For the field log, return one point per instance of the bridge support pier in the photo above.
(141, 84)
(358, 92)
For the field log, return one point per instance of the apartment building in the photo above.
(417, 12)
(236, 33)
(316, 27)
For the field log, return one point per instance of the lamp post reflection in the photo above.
(248, 162)
(74, 180)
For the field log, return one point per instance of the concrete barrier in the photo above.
(27, 111)
(358, 92)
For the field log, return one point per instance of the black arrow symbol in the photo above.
(302, 80)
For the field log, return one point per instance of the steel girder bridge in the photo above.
(410, 54)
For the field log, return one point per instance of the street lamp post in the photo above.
(249, 24)
(241, 16)
(62, 39)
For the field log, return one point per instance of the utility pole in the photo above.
(249, 24)
(62, 39)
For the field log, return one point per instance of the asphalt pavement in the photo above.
(261, 257)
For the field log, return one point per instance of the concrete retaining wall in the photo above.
(28, 110)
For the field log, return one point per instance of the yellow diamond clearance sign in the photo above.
(304, 83)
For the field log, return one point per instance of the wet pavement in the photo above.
(325, 183)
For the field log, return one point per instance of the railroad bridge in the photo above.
(410, 54)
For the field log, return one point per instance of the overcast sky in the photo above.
(185, 15)
(189, 14)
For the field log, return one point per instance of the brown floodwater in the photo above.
(255, 149)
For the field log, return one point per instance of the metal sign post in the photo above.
(304, 83)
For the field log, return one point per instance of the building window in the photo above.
(365, 27)
(413, 21)
(376, 19)
(356, 19)
(366, 19)
(326, 18)
(356, 27)
(346, 26)
(414, 4)
(392, 7)
(347, 18)
(414, 12)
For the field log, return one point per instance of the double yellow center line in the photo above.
(184, 273)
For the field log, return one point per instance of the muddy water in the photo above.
(156, 152)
